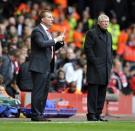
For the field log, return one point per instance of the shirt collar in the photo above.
(44, 27)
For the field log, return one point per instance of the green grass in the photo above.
(67, 126)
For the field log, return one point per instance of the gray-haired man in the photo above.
(98, 49)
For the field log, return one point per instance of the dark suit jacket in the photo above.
(40, 59)
(6, 70)
(98, 49)
(24, 80)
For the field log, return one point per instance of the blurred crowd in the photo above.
(17, 20)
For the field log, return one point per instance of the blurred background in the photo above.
(19, 17)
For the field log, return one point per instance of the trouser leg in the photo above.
(101, 98)
(39, 92)
(92, 99)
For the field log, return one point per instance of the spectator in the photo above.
(60, 84)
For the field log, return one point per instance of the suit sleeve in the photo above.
(39, 38)
(88, 47)
(111, 49)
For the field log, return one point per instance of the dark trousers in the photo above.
(95, 99)
(39, 92)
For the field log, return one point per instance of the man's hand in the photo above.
(60, 38)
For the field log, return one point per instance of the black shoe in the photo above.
(91, 117)
(39, 119)
(99, 118)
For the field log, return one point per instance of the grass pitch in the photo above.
(6, 125)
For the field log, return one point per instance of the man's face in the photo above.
(104, 23)
(48, 19)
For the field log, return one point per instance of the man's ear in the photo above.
(42, 19)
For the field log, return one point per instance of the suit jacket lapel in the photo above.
(101, 36)
(42, 30)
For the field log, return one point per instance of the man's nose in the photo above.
(52, 18)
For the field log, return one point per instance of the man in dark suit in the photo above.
(98, 49)
(41, 64)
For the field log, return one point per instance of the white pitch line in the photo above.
(65, 122)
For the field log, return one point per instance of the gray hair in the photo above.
(102, 17)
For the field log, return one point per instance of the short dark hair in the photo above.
(42, 13)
